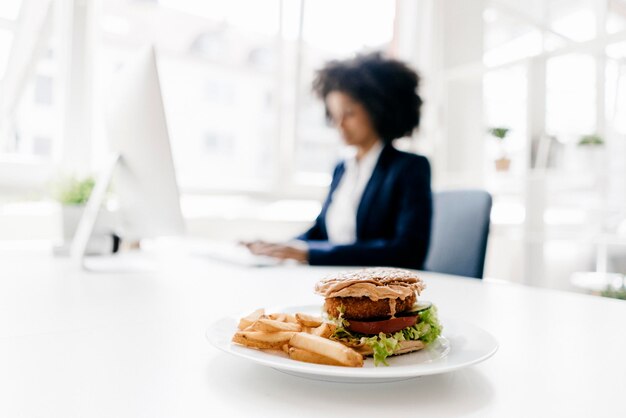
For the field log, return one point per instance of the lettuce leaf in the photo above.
(383, 347)
(427, 329)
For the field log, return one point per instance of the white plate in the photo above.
(461, 345)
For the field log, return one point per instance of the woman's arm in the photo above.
(298, 249)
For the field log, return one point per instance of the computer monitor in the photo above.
(141, 165)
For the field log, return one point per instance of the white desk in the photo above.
(91, 345)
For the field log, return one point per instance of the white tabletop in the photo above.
(74, 344)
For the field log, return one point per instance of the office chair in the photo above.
(459, 232)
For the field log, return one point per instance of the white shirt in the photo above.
(341, 213)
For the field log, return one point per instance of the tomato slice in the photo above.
(386, 326)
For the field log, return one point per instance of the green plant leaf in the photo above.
(499, 132)
(591, 140)
(619, 293)
(73, 191)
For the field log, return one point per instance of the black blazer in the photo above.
(392, 221)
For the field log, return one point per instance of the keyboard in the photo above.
(229, 252)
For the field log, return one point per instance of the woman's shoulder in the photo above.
(409, 159)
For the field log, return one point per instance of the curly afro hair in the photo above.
(387, 88)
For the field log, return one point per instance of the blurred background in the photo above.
(524, 98)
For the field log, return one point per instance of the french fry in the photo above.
(291, 318)
(277, 317)
(248, 320)
(258, 339)
(271, 325)
(327, 348)
(285, 348)
(325, 330)
(309, 357)
(309, 320)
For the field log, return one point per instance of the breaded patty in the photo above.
(365, 308)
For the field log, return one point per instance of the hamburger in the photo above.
(376, 311)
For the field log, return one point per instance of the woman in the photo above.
(378, 209)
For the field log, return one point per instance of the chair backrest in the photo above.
(460, 228)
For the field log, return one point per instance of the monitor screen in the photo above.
(141, 168)
(145, 180)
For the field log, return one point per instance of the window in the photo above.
(236, 85)
(236, 81)
(505, 104)
(616, 86)
(30, 117)
(508, 36)
(317, 145)
(571, 96)
(217, 68)
(6, 39)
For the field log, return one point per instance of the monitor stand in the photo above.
(87, 222)
(124, 262)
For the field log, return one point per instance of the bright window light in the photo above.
(508, 213)
(571, 96)
(325, 19)
(115, 25)
(525, 45)
(564, 216)
(245, 15)
(490, 15)
(6, 38)
(579, 26)
(291, 210)
(10, 9)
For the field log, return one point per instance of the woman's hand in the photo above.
(283, 251)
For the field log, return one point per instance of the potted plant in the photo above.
(615, 293)
(72, 193)
(503, 162)
(591, 152)
(590, 140)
